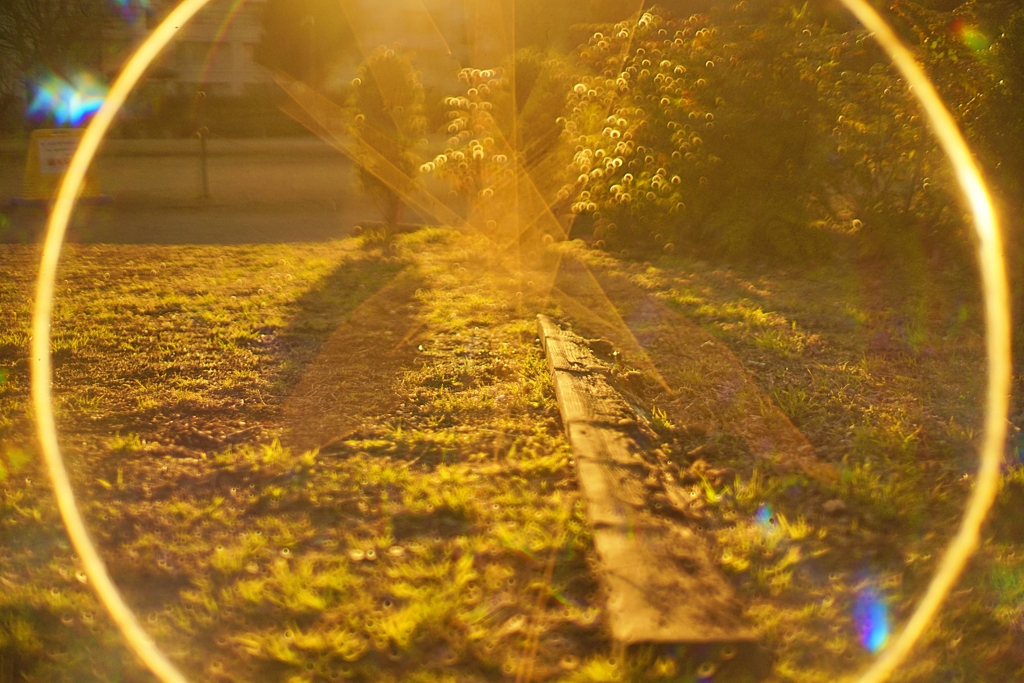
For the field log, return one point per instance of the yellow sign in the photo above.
(49, 154)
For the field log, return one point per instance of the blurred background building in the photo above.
(232, 48)
(216, 51)
(214, 54)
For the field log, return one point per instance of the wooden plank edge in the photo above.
(633, 617)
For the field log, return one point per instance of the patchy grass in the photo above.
(439, 537)
(883, 373)
(414, 547)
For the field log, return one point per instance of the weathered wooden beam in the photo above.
(663, 587)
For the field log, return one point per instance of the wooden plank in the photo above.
(662, 585)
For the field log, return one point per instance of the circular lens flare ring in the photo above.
(990, 257)
(997, 324)
(42, 371)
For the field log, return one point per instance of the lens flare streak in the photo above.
(68, 103)
(131, 9)
(127, 4)
(42, 369)
(765, 518)
(871, 617)
(970, 36)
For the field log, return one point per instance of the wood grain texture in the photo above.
(662, 585)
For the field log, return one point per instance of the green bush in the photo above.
(765, 130)
(686, 132)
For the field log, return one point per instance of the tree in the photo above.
(387, 106)
(40, 37)
(304, 38)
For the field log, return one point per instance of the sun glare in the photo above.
(645, 184)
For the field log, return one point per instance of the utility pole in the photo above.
(313, 75)
(312, 48)
(313, 80)
(203, 132)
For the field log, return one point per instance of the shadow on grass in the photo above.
(330, 363)
(342, 369)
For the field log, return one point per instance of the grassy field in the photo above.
(343, 461)
(847, 402)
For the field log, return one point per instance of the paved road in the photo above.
(270, 190)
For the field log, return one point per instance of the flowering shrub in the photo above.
(751, 131)
(675, 138)
(477, 161)
(498, 131)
